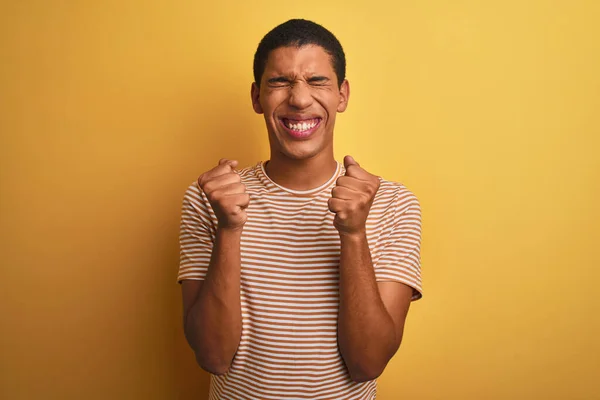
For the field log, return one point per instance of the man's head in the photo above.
(298, 33)
(300, 86)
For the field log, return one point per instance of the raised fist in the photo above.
(352, 197)
(226, 193)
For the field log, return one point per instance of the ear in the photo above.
(255, 94)
(344, 96)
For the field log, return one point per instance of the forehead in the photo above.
(309, 59)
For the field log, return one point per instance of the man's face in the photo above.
(299, 96)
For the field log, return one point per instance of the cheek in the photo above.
(329, 102)
(273, 100)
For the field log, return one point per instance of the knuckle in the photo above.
(202, 179)
(211, 197)
(206, 187)
(372, 188)
(216, 196)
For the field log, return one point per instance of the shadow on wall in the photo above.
(225, 128)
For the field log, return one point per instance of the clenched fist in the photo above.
(352, 197)
(226, 193)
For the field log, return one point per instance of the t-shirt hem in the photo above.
(417, 291)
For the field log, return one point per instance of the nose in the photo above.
(300, 96)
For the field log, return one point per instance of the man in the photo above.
(297, 273)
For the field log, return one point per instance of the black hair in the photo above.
(298, 33)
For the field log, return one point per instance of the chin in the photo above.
(297, 149)
(302, 150)
(299, 155)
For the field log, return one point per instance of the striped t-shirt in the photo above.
(290, 254)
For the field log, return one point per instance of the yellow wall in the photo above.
(488, 110)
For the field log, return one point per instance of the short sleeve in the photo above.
(196, 235)
(400, 256)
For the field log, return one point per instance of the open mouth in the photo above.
(300, 128)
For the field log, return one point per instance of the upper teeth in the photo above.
(302, 126)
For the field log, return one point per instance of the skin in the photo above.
(298, 83)
(372, 314)
(212, 309)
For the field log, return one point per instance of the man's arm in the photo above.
(212, 308)
(371, 315)
(212, 312)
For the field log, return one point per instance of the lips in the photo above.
(300, 128)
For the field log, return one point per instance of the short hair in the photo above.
(298, 33)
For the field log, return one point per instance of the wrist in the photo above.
(229, 230)
(353, 237)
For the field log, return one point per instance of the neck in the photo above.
(301, 174)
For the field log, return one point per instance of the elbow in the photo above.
(361, 374)
(214, 367)
(369, 366)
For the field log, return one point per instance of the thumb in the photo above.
(349, 161)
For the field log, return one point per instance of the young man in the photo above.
(297, 273)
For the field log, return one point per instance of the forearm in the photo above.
(366, 333)
(213, 325)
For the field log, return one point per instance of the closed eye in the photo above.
(279, 81)
(318, 80)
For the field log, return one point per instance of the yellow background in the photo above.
(488, 110)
